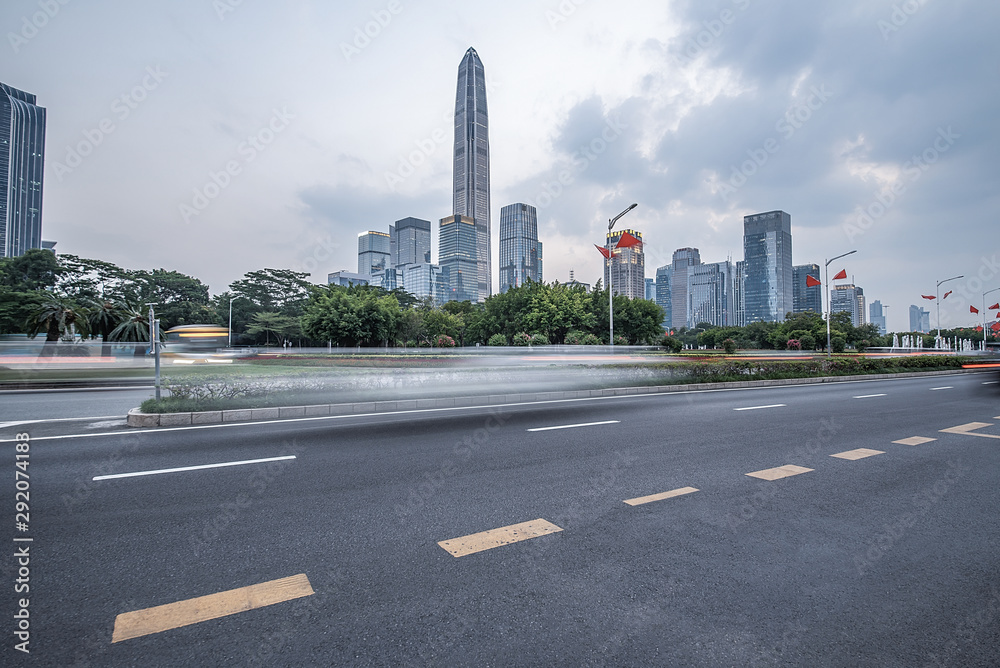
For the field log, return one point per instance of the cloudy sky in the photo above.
(216, 137)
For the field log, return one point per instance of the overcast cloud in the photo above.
(217, 137)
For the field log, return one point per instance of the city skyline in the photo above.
(700, 128)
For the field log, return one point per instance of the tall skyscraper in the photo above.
(876, 316)
(457, 247)
(627, 267)
(806, 297)
(683, 259)
(768, 279)
(410, 242)
(22, 163)
(920, 319)
(520, 250)
(373, 253)
(472, 163)
(664, 275)
(710, 294)
(651, 289)
(850, 298)
(739, 292)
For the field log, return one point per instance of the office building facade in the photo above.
(850, 298)
(876, 316)
(410, 242)
(920, 319)
(768, 293)
(651, 289)
(423, 280)
(346, 278)
(806, 298)
(710, 294)
(520, 250)
(683, 259)
(22, 165)
(663, 300)
(471, 193)
(457, 245)
(625, 270)
(373, 253)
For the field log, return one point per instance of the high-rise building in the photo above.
(627, 267)
(683, 258)
(457, 244)
(423, 279)
(710, 294)
(346, 278)
(472, 163)
(373, 253)
(806, 298)
(651, 289)
(920, 319)
(767, 280)
(520, 250)
(22, 164)
(850, 298)
(876, 316)
(663, 276)
(410, 242)
(739, 293)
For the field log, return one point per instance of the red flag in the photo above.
(812, 282)
(842, 274)
(979, 328)
(946, 294)
(627, 241)
(973, 309)
(995, 327)
(931, 297)
(995, 306)
(604, 251)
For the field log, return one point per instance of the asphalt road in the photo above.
(30, 405)
(888, 560)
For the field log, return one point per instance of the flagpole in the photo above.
(611, 295)
(984, 315)
(828, 305)
(937, 296)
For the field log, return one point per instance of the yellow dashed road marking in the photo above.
(658, 497)
(487, 540)
(967, 429)
(779, 472)
(914, 440)
(193, 610)
(860, 453)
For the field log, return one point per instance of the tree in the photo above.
(353, 316)
(36, 269)
(103, 317)
(94, 279)
(58, 317)
(268, 323)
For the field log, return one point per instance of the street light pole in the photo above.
(154, 341)
(611, 296)
(937, 300)
(984, 315)
(828, 305)
(230, 322)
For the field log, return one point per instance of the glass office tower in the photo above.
(457, 244)
(805, 297)
(22, 163)
(373, 253)
(472, 162)
(520, 250)
(767, 254)
(410, 242)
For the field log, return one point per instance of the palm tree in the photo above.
(133, 326)
(105, 316)
(58, 317)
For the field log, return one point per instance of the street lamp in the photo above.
(230, 322)
(984, 314)
(828, 305)
(611, 304)
(937, 295)
(154, 344)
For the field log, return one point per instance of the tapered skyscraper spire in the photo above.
(472, 162)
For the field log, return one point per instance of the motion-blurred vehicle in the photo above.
(194, 343)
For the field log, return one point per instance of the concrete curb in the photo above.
(137, 418)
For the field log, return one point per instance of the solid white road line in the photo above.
(192, 468)
(947, 387)
(574, 426)
(869, 396)
(69, 419)
(754, 408)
